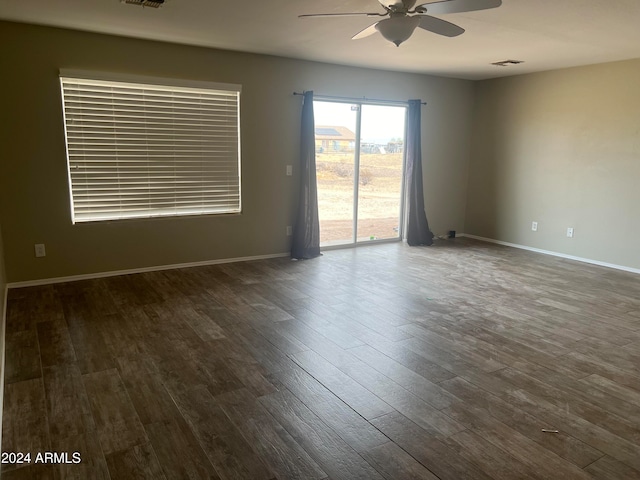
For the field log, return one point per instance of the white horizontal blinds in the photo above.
(138, 150)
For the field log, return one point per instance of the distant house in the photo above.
(334, 139)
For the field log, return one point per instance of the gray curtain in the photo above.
(306, 232)
(418, 232)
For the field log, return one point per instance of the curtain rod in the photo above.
(357, 100)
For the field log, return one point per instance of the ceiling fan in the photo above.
(404, 17)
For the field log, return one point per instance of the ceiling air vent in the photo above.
(145, 3)
(506, 63)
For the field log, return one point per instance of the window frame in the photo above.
(166, 85)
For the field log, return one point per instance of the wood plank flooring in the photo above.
(383, 362)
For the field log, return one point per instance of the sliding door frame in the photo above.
(359, 102)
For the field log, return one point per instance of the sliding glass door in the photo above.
(336, 126)
(360, 167)
(380, 172)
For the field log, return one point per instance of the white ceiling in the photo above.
(546, 34)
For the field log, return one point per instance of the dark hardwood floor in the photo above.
(385, 361)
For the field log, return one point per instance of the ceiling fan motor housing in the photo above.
(400, 5)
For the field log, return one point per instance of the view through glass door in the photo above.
(360, 163)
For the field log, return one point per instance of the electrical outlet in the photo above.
(289, 170)
(534, 226)
(289, 231)
(570, 232)
(40, 251)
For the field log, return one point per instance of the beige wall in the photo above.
(561, 148)
(33, 183)
(3, 278)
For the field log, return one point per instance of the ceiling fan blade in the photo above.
(361, 14)
(458, 6)
(441, 27)
(370, 30)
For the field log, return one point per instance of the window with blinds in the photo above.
(140, 150)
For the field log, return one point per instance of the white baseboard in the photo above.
(90, 276)
(554, 254)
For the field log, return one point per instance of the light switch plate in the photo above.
(39, 250)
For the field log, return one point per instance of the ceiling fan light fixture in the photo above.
(398, 29)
